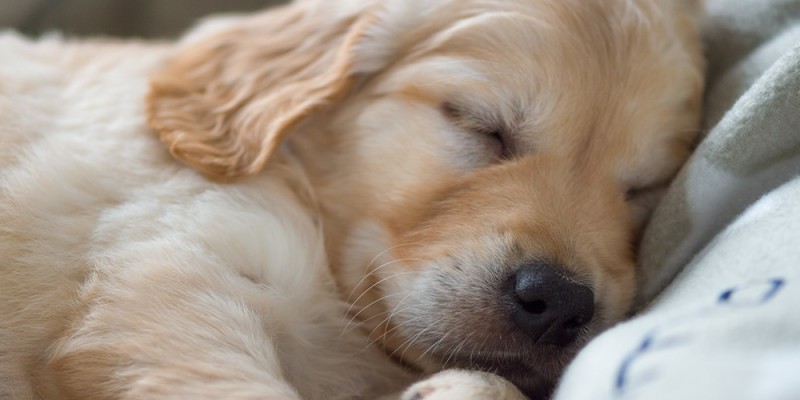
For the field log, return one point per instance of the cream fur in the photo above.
(114, 247)
(125, 274)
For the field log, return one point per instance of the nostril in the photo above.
(533, 307)
(550, 306)
(573, 323)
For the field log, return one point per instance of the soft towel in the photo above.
(720, 260)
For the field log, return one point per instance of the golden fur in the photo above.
(377, 169)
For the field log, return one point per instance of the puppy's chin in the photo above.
(535, 371)
(492, 343)
(529, 380)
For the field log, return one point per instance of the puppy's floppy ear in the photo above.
(223, 103)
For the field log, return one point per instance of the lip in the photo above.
(495, 363)
(536, 379)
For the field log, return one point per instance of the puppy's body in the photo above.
(102, 230)
(126, 274)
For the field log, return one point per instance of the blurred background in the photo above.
(125, 18)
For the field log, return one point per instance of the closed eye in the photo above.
(486, 128)
(640, 192)
(644, 199)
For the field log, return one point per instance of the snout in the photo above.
(549, 306)
(524, 323)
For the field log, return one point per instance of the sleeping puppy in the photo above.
(334, 199)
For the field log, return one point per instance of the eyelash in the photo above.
(640, 191)
(472, 123)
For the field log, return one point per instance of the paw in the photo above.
(463, 385)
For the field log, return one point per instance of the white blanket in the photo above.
(720, 261)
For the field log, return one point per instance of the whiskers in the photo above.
(361, 310)
(408, 343)
(405, 326)
(371, 273)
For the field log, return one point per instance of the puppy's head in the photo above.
(482, 166)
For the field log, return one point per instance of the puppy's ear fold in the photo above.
(223, 103)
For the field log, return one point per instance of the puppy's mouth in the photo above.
(502, 331)
(533, 368)
(535, 379)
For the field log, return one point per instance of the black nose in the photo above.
(549, 306)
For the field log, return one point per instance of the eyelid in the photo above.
(457, 111)
(644, 190)
(471, 121)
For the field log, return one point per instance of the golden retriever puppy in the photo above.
(376, 191)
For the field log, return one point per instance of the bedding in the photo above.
(720, 260)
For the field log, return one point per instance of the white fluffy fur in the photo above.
(91, 203)
(125, 274)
